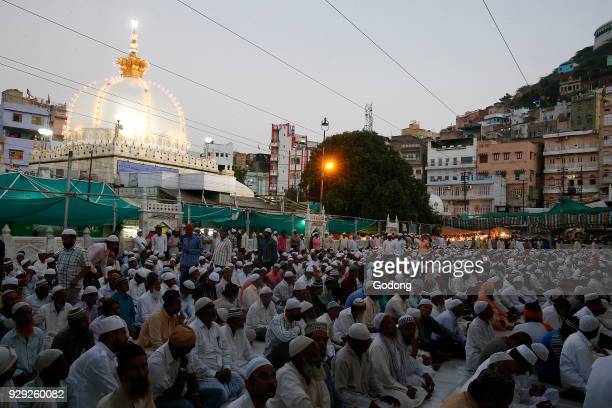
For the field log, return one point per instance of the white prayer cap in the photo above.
(359, 302)
(299, 344)
(89, 290)
(332, 305)
(540, 350)
(580, 290)
(480, 306)
(10, 280)
(493, 279)
(359, 331)
(214, 276)
(377, 320)
(57, 289)
(461, 295)
(553, 294)
(268, 230)
(588, 323)
(425, 302)
(254, 364)
(328, 269)
(201, 258)
(131, 272)
(69, 231)
(166, 276)
(239, 263)
(49, 260)
(300, 284)
(46, 358)
(112, 238)
(590, 297)
(454, 303)
(18, 306)
(201, 302)
(309, 268)
(292, 303)
(265, 290)
(416, 313)
(527, 354)
(253, 277)
(7, 358)
(435, 293)
(498, 357)
(304, 306)
(24, 261)
(109, 324)
(404, 320)
(109, 268)
(132, 258)
(142, 272)
(289, 274)
(189, 284)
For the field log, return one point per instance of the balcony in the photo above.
(608, 142)
(607, 179)
(567, 134)
(452, 166)
(573, 150)
(573, 168)
(571, 190)
(273, 172)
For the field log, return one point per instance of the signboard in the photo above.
(131, 167)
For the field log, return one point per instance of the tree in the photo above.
(240, 174)
(369, 179)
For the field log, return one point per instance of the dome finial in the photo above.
(131, 65)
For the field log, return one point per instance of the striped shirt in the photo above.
(223, 253)
(70, 262)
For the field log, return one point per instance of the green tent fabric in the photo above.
(338, 226)
(278, 222)
(568, 206)
(214, 216)
(41, 201)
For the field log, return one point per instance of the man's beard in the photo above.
(68, 246)
(137, 389)
(314, 372)
(25, 330)
(156, 294)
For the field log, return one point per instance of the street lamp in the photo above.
(324, 128)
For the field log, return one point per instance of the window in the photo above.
(518, 175)
(495, 156)
(454, 161)
(15, 154)
(519, 155)
(59, 172)
(440, 161)
(466, 160)
(483, 158)
(16, 117)
(592, 181)
(83, 174)
(37, 120)
(506, 156)
(446, 161)
(433, 162)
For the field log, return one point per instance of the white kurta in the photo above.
(343, 323)
(51, 321)
(599, 386)
(260, 316)
(293, 392)
(535, 330)
(396, 307)
(479, 334)
(352, 378)
(240, 349)
(551, 316)
(146, 306)
(576, 360)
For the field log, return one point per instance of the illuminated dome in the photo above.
(128, 109)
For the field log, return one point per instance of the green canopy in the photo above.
(278, 222)
(29, 199)
(214, 216)
(348, 226)
(566, 205)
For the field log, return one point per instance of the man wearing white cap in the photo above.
(397, 305)
(168, 282)
(592, 306)
(40, 296)
(348, 316)
(151, 301)
(99, 253)
(351, 370)
(577, 354)
(261, 313)
(250, 295)
(223, 250)
(284, 289)
(479, 334)
(137, 284)
(218, 383)
(52, 369)
(387, 372)
(301, 381)
(418, 375)
(8, 364)
(333, 310)
(93, 374)
(555, 313)
(237, 342)
(71, 265)
(599, 386)
(455, 343)
(159, 241)
(53, 317)
(283, 328)
(140, 243)
(260, 384)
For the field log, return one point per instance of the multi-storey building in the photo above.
(289, 154)
(222, 154)
(571, 165)
(414, 129)
(585, 111)
(605, 145)
(516, 162)
(496, 125)
(414, 150)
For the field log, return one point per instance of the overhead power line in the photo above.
(162, 68)
(121, 104)
(395, 61)
(282, 61)
(127, 99)
(505, 42)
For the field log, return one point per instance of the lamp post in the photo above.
(324, 128)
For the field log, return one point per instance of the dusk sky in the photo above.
(451, 46)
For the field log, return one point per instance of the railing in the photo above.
(574, 150)
(574, 168)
